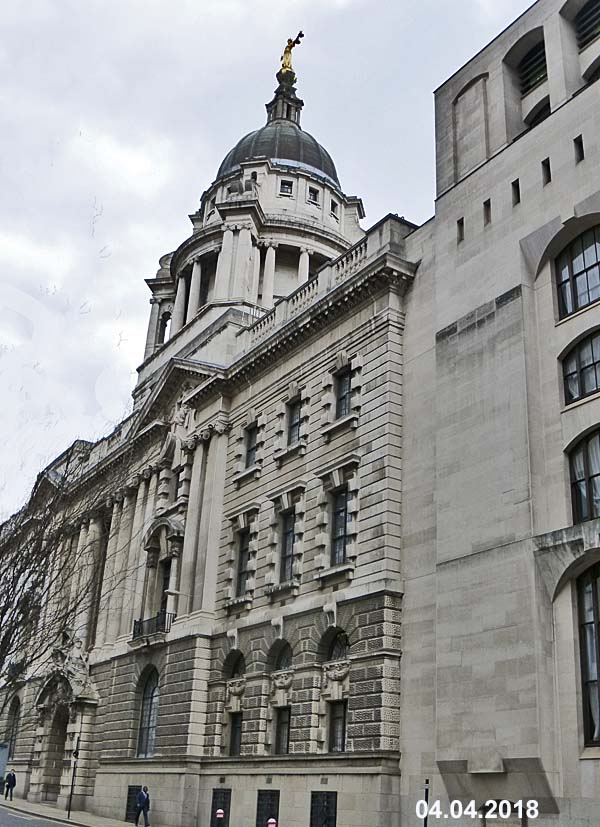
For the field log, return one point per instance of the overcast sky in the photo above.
(115, 117)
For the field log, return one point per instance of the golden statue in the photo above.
(286, 57)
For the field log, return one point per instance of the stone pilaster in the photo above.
(194, 300)
(152, 328)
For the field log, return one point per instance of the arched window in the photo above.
(338, 650)
(533, 69)
(581, 369)
(587, 23)
(234, 666)
(147, 733)
(284, 657)
(589, 619)
(585, 478)
(12, 729)
(578, 273)
(164, 328)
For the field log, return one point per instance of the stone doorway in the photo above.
(54, 754)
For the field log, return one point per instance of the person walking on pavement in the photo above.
(10, 782)
(143, 806)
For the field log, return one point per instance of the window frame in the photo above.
(338, 712)
(569, 255)
(293, 412)
(586, 38)
(243, 558)
(590, 576)
(286, 547)
(283, 184)
(316, 201)
(146, 741)
(282, 728)
(12, 727)
(587, 479)
(343, 393)
(236, 720)
(250, 445)
(335, 558)
(579, 371)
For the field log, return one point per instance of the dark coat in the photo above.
(10, 780)
(143, 800)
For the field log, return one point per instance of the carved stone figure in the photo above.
(286, 57)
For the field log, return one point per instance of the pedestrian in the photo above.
(143, 806)
(10, 782)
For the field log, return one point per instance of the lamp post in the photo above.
(74, 773)
(426, 791)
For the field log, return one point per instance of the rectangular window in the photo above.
(334, 208)
(221, 800)
(251, 436)
(267, 807)
(323, 809)
(235, 734)
(242, 569)
(288, 526)
(339, 527)
(294, 418)
(286, 188)
(546, 171)
(337, 726)
(516, 192)
(343, 394)
(460, 230)
(313, 195)
(579, 150)
(487, 212)
(282, 730)
(166, 580)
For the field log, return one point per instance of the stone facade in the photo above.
(345, 541)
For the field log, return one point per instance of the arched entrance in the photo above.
(55, 754)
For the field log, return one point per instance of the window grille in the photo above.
(288, 525)
(343, 394)
(149, 713)
(587, 24)
(294, 419)
(533, 69)
(251, 437)
(339, 532)
(242, 569)
(337, 726)
(282, 731)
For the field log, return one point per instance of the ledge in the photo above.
(590, 754)
(238, 603)
(147, 640)
(280, 589)
(280, 455)
(344, 423)
(345, 571)
(253, 471)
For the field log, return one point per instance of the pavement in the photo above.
(20, 813)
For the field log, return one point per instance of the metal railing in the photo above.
(159, 623)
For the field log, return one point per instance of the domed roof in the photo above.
(283, 140)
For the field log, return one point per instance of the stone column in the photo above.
(81, 583)
(194, 300)
(192, 525)
(205, 585)
(303, 266)
(256, 275)
(164, 486)
(120, 566)
(109, 569)
(133, 559)
(148, 608)
(152, 328)
(178, 318)
(224, 266)
(142, 564)
(243, 269)
(93, 550)
(269, 276)
(172, 592)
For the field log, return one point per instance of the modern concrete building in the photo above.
(358, 545)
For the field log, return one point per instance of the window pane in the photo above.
(577, 466)
(594, 455)
(566, 295)
(577, 253)
(594, 711)
(589, 380)
(581, 503)
(594, 283)
(581, 289)
(591, 660)
(585, 354)
(563, 268)
(572, 391)
(589, 248)
(596, 348)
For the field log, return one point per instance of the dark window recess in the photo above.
(578, 273)
(339, 527)
(585, 478)
(487, 212)
(131, 804)
(539, 115)
(313, 195)
(337, 726)
(579, 149)
(589, 619)
(267, 806)
(339, 647)
(242, 567)
(221, 800)
(294, 418)
(288, 526)
(286, 187)
(587, 23)
(334, 208)
(235, 734)
(166, 580)
(460, 230)
(343, 394)
(533, 69)
(516, 192)
(251, 437)
(546, 171)
(581, 369)
(12, 728)
(237, 669)
(284, 658)
(282, 730)
(149, 713)
(323, 809)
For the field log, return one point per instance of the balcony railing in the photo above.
(159, 623)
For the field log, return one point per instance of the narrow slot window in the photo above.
(487, 212)
(516, 192)
(546, 171)
(460, 230)
(579, 150)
